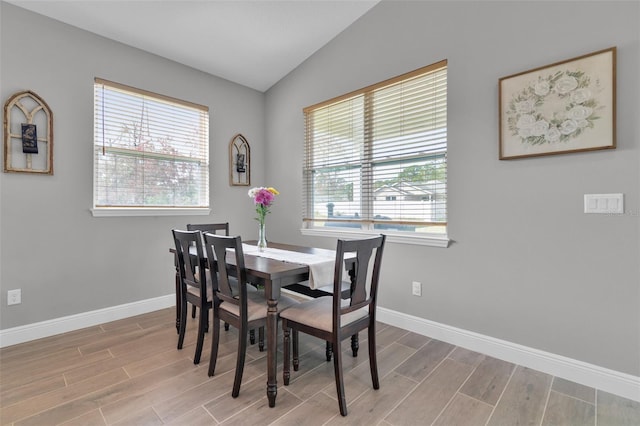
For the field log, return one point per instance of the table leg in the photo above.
(272, 349)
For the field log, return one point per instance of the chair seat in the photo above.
(257, 305)
(232, 281)
(318, 313)
(196, 291)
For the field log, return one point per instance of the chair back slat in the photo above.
(217, 246)
(190, 259)
(212, 228)
(366, 254)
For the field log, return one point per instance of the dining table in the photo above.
(274, 274)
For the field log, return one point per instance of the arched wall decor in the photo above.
(28, 134)
(239, 161)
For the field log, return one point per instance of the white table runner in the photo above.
(320, 266)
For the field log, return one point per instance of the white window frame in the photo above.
(151, 210)
(366, 229)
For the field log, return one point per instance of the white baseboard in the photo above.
(26, 333)
(611, 381)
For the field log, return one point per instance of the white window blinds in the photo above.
(376, 158)
(150, 150)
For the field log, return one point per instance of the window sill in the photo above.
(135, 211)
(430, 240)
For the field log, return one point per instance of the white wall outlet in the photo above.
(416, 288)
(14, 297)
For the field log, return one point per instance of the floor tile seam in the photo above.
(77, 417)
(476, 399)
(104, 419)
(458, 391)
(400, 401)
(35, 361)
(419, 382)
(506, 385)
(573, 397)
(66, 401)
(67, 385)
(302, 401)
(146, 359)
(151, 389)
(210, 414)
(595, 411)
(226, 394)
(434, 368)
(33, 383)
(207, 380)
(407, 346)
(546, 402)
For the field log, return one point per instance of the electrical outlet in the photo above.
(416, 288)
(14, 297)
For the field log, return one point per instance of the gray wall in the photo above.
(526, 264)
(65, 260)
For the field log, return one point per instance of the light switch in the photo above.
(604, 203)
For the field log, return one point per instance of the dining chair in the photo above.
(214, 228)
(193, 284)
(223, 229)
(233, 303)
(334, 318)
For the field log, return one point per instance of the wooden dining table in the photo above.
(273, 275)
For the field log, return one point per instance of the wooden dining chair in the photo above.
(194, 288)
(233, 303)
(223, 229)
(214, 228)
(334, 318)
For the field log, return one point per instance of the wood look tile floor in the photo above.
(129, 372)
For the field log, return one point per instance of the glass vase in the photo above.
(262, 237)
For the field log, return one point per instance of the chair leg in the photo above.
(261, 339)
(373, 361)
(286, 373)
(337, 367)
(242, 351)
(215, 340)
(328, 351)
(183, 322)
(296, 360)
(252, 336)
(355, 345)
(193, 311)
(203, 323)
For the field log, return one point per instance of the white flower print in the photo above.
(566, 84)
(554, 108)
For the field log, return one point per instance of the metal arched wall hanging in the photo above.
(239, 161)
(28, 134)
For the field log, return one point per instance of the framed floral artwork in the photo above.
(568, 106)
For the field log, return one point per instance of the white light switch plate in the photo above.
(604, 203)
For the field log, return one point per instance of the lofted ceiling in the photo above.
(254, 43)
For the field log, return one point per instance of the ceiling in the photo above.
(253, 43)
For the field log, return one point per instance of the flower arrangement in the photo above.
(262, 198)
(554, 108)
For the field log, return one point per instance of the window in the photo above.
(376, 159)
(151, 153)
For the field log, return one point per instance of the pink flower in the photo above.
(264, 197)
